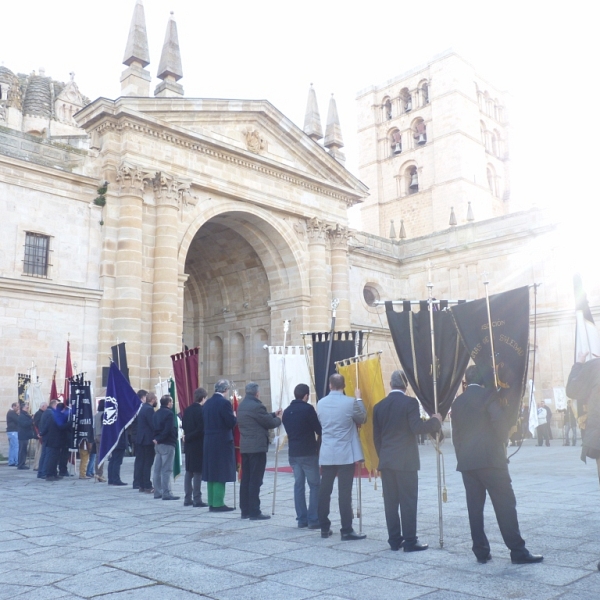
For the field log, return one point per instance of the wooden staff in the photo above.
(359, 486)
(286, 326)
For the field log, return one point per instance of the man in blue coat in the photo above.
(218, 461)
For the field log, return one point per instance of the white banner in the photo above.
(533, 416)
(560, 398)
(287, 369)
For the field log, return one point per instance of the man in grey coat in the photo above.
(340, 450)
(254, 422)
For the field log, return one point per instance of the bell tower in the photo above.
(433, 149)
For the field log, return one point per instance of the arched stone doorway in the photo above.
(243, 281)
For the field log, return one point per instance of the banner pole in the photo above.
(435, 402)
(334, 304)
(359, 486)
(286, 326)
(489, 314)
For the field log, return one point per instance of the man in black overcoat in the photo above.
(193, 430)
(396, 424)
(218, 460)
(144, 445)
(480, 426)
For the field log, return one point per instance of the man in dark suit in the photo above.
(144, 446)
(480, 425)
(218, 460)
(396, 424)
(193, 429)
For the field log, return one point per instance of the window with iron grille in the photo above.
(37, 250)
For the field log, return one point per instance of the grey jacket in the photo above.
(254, 422)
(339, 415)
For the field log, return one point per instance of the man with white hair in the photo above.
(218, 460)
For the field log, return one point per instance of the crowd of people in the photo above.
(324, 444)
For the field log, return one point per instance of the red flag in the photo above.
(68, 374)
(53, 392)
(236, 439)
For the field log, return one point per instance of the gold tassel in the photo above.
(445, 494)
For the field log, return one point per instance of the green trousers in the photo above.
(216, 493)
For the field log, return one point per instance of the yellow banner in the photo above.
(370, 384)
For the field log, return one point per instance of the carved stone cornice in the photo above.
(317, 230)
(170, 191)
(133, 179)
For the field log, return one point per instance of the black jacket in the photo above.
(52, 434)
(396, 423)
(145, 426)
(37, 419)
(12, 421)
(165, 431)
(193, 429)
(301, 426)
(480, 426)
(254, 422)
(25, 426)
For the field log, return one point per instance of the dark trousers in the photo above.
(497, 483)
(114, 466)
(23, 445)
(52, 456)
(543, 433)
(345, 475)
(63, 460)
(400, 489)
(142, 467)
(253, 469)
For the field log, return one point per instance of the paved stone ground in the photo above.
(79, 539)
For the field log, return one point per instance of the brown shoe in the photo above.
(150, 491)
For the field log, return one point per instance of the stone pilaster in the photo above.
(166, 327)
(319, 288)
(340, 282)
(128, 280)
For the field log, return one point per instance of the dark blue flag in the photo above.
(121, 406)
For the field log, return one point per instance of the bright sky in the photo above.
(544, 54)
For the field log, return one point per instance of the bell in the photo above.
(422, 139)
(397, 148)
(408, 105)
(414, 182)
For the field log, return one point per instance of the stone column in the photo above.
(128, 268)
(166, 329)
(319, 288)
(340, 280)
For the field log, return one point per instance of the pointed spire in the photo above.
(169, 68)
(135, 80)
(312, 118)
(333, 133)
(392, 230)
(470, 215)
(402, 230)
(452, 217)
(137, 42)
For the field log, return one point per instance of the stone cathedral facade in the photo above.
(162, 221)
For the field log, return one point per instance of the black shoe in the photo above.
(170, 497)
(51, 478)
(244, 516)
(416, 547)
(302, 525)
(326, 534)
(23, 468)
(188, 503)
(527, 559)
(352, 535)
(314, 526)
(223, 508)
(482, 561)
(199, 504)
(260, 517)
(118, 483)
(136, 487)
(157, 496)
(396, 547)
